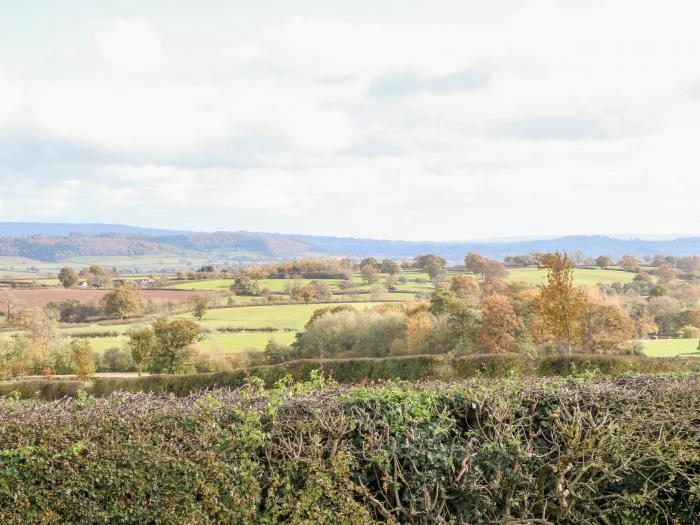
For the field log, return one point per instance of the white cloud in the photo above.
(131, 44)
(466, 122)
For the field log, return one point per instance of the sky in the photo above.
(444, 120)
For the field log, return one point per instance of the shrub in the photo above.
(605, 450)
(690, 332)
(571, 364)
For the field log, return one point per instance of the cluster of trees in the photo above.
(165, 346)
(41, 349)
(118, 304)
(95, 276)
(470, 315)
(303, 269)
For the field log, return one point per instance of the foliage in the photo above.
(68, 277)
(583, 451)
(121, 303)
(200, 304)
(83, 358)
(560, 302)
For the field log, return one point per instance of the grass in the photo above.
(274, 285)
(671, 347)
(284, 316)
(278, 317)
(582, 276)
(233, 343)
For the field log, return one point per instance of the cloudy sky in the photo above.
(395, 119)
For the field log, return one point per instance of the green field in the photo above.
(671, 347)
(279, 285)
(278, 317)
(232, 343)
(582, 276)
(274, 285)
(284, 316)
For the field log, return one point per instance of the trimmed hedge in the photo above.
(618, 451)
(362, 370)
(42, 388)
(571, 364)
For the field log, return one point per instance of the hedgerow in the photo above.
(359, 370)
(622, 450)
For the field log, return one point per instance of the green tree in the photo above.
(370, 261)
(121, 302)
(68, 277)
(441, 300)
(140, 343)
(171, 352)
(434, 265)
(245, 286)
(603, 262)
(390, 267)
(369, 273)
(200, 304)
(83, 359)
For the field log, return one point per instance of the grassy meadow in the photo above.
(582, 276)
(671, 347)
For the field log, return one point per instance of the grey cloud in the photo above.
(26, 148)
(32, 150)
(551, 127)
(405, 83)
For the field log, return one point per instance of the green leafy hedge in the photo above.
(359, 370)
(622, 450)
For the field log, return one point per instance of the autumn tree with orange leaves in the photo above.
(501, 325)
(559, 305)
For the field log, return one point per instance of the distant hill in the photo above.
(591, 245)
(51, 242)
(63, 229)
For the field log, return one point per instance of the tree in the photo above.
(121, 302)
(494, 270)
(390, 267)
(464, 286)
(302, 292)
(693, 318)
(628, 262)
(440, 301)
(559, 303)
(322, 291)
(606, 327)
(140, 343)
(8, 302)
(666, 274)
(501, 325)
(83, 359)
(420, 333)
(97, 275)
(165, 347)
(603, 262)
(245, 286)
(369, 273)
(475, 263)
(200, 304)
(41, 346)
(434, 265)
(370, 261)
(276, 353)
(68, 277)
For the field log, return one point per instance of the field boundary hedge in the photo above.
(362, 370)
